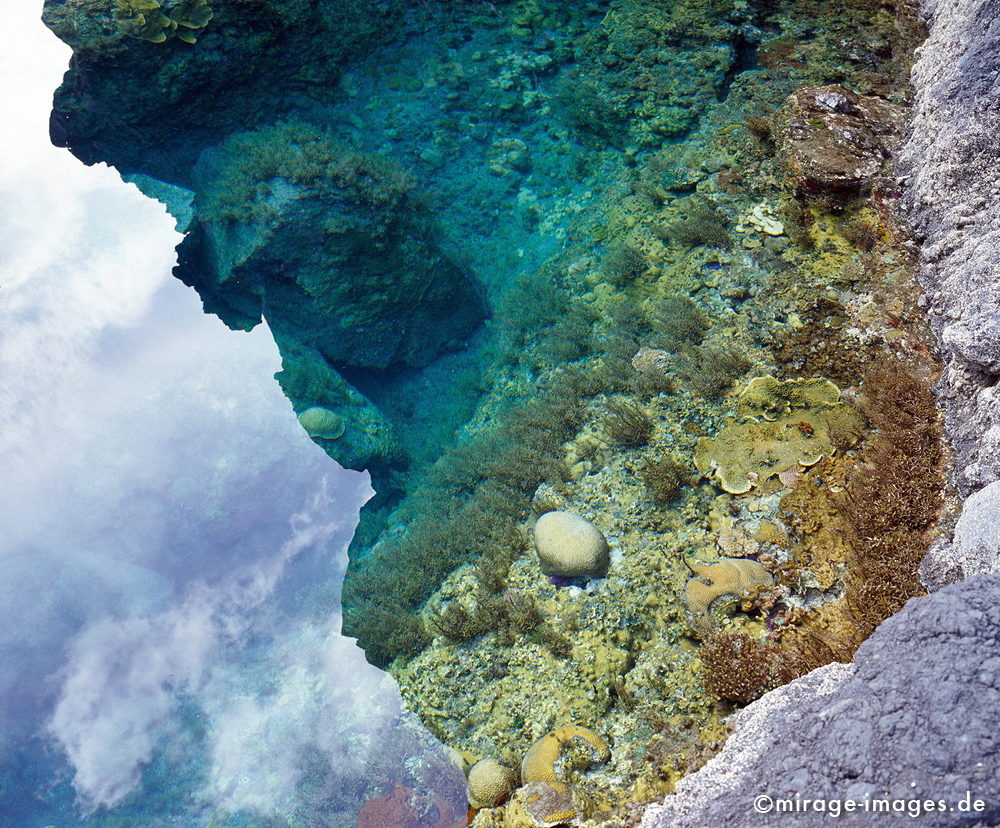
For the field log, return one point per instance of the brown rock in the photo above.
(836, 142)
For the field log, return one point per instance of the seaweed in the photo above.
(627, 424)
(893, 498)
(703, 224)
(664, 477)
(711, 369)
(675, 321)
(622, 264)
(736, 667)
(761, 128)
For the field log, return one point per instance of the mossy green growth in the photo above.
(156, 22)
(255, 168)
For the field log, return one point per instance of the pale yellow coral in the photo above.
(790, 428)
(727, 576)
(538, 764)
(322, 422)
(489, 783)
(769, 398)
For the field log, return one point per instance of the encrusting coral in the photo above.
(711, 581)
(791, 425)
(154, 21)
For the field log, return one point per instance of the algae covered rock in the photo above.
(570, 546)
(799, 422)
(336, 246)
(836, 142)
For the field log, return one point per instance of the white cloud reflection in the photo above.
(169, 538)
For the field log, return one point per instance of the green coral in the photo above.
(799, 423)
(156, 22)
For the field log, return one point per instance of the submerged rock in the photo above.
(334, 247)
(835, 142)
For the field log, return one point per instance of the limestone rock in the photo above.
(570, 546)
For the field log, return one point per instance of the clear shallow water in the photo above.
(172, 545)
(213, 665)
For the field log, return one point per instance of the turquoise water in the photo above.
(464, 225)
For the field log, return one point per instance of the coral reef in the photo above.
(570, 546)
(489, 783)
(528, 254)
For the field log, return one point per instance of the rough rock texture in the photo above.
(881, 728)
(914, 716)
(836, 142)
(953, 194)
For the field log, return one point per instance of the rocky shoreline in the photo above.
(912, 718)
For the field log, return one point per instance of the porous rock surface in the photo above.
(953, 193)
(912, 718)
(915, 716)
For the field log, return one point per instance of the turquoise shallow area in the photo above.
(460, 222)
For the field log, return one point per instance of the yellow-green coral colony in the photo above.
(787, 425)
(322, 422)
(154, 21)
(712, 581)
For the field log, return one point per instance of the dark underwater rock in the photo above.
(335, 247)
(835, 142)
(912, 719)
(151, 107)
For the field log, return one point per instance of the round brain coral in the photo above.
(570, 546)
(489, 783)
(321, 422)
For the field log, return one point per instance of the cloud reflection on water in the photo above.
(171, 543)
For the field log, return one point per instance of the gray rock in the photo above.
(952, 194)
(975, 548)
(912, 719)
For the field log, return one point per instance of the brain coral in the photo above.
(727, 576)
(322, 422)
(489, 783)
(570, 546)
(538, 764)
(788, 425)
